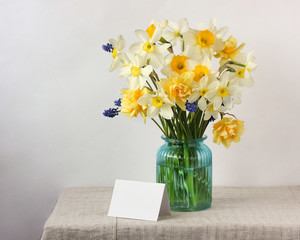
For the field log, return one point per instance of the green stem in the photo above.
(155, 75)
(159, 126)
(153, 80)
(162, 121)
(172, 132)
(190, 174)
(238, 64)
(198, 123)
(149, 86)
(176, 123)
(170, 49)
(184, 121)
(203, 127)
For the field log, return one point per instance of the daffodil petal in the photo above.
(134, 83)
(142, 35)
(161, 48)
(190, 37)
(173, 25)
(114, 65)
(136, 48)
(202, 104)
(156, 35)
(125, 71)
(141, 81)
(156, 60)
(217, 102)
(152, 111)
(113, 42)
(145, 71)
(121, 44)
(182, 25)
(228, 102)
(194, 97)
(221, 32)
(145, 99)
(166, 111)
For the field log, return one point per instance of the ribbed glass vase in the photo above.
(185, 166)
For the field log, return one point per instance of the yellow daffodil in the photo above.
(227, 131)
(230, 51)
(174, 64)
(178, 87)
(178, 64)
(130, 106)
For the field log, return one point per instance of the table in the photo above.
(237, 213)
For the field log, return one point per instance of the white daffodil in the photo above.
(176, 30)
(223, 92)
(157, 104)
(118, 45)
(206, 40)
(200, 89)
(149, 48)
(135, 69)
(201, 66)
(210, 112)
(155, 23)
(242, 75)
(247, 60)
(167, 70)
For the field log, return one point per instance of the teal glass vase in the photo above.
(185, 166)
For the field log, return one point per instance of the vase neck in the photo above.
(184, 141)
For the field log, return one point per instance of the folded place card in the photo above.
(139, 200)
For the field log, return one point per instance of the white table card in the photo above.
(139, 200)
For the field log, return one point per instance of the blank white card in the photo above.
(139, 200)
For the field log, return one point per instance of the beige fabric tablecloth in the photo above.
(236, 213)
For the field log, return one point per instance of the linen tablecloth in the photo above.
(237, 213)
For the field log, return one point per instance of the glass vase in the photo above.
(185, 166)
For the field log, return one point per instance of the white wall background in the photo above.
(55, 84)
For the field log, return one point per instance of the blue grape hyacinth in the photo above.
(191, 107)
(111, 112)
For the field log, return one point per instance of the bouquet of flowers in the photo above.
(172, 79)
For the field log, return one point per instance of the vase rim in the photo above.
(184, 140)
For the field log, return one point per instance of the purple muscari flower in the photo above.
(111, 112)
(118, 102)
(108, 47)
(191, 107)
